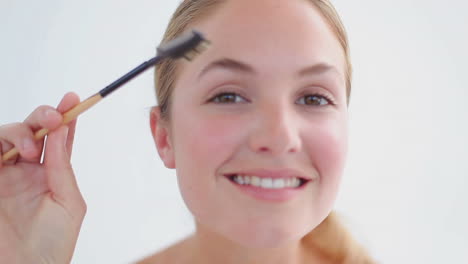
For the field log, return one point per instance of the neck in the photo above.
(208, 247)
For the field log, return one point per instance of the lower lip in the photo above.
(270, 195)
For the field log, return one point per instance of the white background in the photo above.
(403, 193)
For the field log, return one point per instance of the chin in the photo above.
(267, 238)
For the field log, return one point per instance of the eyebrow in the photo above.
(227, 64)
(318, 69)
(238, 66)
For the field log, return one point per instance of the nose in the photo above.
(275, 132)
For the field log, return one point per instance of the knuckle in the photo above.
(81, 207)
(12, 125)
(43, 108)
(14, 129)
(84, 207)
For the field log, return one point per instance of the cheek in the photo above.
(327, 146)
(201, 145)
(206, 140)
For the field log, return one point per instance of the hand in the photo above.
(41, 207)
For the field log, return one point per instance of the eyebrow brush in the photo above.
(187, 46)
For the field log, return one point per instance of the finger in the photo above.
(69, 101)
(71, 137)
(50, 118)
(9, 146)
(20, 136)
(42, 117)
(60, 175)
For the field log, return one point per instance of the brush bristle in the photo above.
(187, 46)
(200, 48)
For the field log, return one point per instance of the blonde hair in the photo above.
(329, 237)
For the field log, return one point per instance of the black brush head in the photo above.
(188, 46)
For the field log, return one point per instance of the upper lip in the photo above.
(272, 173)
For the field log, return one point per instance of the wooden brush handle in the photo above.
(67, 117)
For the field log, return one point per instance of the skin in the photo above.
(41, 207)
(267, 124)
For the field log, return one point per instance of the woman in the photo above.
(266, 107)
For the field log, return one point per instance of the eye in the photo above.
(315, 100)
(227, 98)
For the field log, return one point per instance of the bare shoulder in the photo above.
(171, 254)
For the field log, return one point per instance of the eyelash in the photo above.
(330, 102)
(219, 95)
(322, 96)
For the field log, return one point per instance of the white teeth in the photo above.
(247, 180)
(278, 183)
(255, 181)
(267, 183)
(240, 179)
(296, 182)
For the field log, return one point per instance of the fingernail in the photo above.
(28, 144)
(49, 112)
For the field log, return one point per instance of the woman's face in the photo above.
(267, 99)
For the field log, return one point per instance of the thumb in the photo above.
(60, 176)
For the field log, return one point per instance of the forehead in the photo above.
(259, 32)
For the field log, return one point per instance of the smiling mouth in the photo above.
(267, 183)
